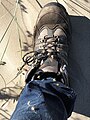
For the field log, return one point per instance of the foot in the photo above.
(51, 37)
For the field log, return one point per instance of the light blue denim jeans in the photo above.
(44, 100)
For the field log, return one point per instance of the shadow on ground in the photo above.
(79, 63)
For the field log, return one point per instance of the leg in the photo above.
(47, 95)
(38, 102)
(31, 105)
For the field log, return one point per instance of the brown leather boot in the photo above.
(52, 35)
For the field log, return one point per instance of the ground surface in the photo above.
(16, 30)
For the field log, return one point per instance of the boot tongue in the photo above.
(50, 65)
(48, 69)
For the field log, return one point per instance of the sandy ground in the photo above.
(16, 30)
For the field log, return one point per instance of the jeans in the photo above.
(44, 100)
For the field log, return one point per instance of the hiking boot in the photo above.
(52, 35)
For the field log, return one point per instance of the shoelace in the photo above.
(55, 47)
